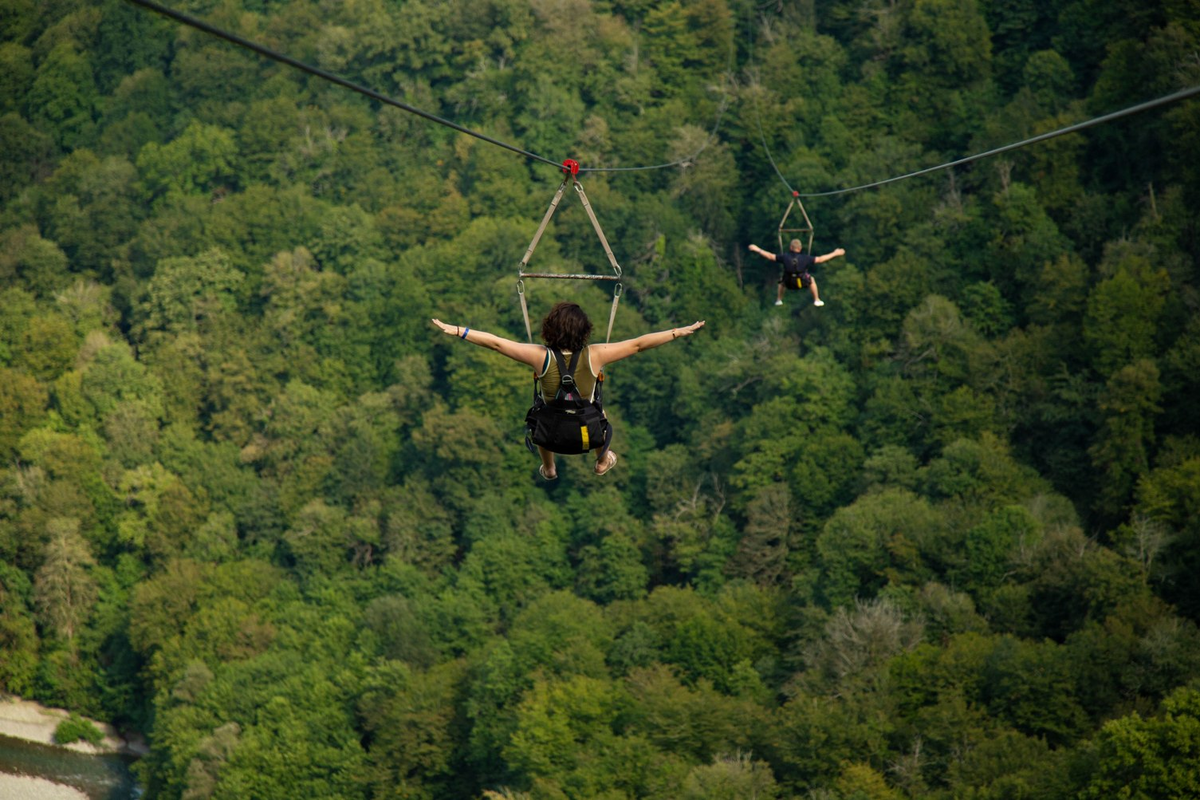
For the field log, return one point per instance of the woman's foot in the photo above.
(608, 462)
(547, 476)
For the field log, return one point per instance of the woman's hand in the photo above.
(450, 330)
(690, 329)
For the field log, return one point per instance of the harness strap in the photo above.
(566, 372)
(612, 260)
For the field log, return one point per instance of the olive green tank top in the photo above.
(584, 378)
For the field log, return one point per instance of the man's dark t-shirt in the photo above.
(795, 269)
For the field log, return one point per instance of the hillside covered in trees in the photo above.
(938, 539)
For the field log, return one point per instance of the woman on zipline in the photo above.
(566, 329)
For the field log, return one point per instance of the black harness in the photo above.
(568, 423)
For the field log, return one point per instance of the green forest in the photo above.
(937, 539)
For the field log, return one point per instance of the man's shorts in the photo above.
(796, 281)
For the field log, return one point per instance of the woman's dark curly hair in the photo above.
(566, 327)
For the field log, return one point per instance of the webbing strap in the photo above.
(537, 237)
(612, 315)
(612, 260)
(524, 310)
(596, 224)
(566, 372)
(808, 226)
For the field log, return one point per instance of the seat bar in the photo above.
(575, 277)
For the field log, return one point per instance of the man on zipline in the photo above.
(795, 269)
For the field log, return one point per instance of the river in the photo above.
(100, 777)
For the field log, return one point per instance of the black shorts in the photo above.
(793, 280)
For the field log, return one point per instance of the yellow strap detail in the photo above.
(583, 433)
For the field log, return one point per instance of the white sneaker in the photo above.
(778, 302)
(818, 303)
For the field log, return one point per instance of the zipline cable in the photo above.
(711, 136)
(1183, 94)
(274, 55)
(267, 52)
(762, 136)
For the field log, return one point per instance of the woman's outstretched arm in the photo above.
(533, 355)
(609, 353)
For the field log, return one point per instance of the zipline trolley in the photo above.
(807, 228)
(570, 168)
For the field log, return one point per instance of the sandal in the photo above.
(542, 472)
(610, 461)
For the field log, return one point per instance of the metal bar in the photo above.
(575, 277)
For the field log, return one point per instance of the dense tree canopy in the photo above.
(936, 539)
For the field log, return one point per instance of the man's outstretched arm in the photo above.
(756, 249)
(829, 256)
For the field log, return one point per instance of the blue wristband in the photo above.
(464, 333)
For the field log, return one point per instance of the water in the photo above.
(105, 777)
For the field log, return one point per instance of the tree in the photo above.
(200, 161)
(696, 723)
(161, 513)
(1007, 763)
(1156, 757)
(90, 207)
(411, 719)
(990, 547)
(879, 538)
(23, 403)
(186, 293)
(946, 45)
(39, 264)
(1123, 311)
(28, 154)
(64, 95)
(18, 634)
(1030, 685)
(64, 589)
(858, 644)
(112, 375)
(16, 69)
(1121, 451)
(613, 570)
(731, 778)
(320, 540)
(565, 737)
(763, 549)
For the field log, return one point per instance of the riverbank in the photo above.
(35, 767)
(24, 787)
(33, 722)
